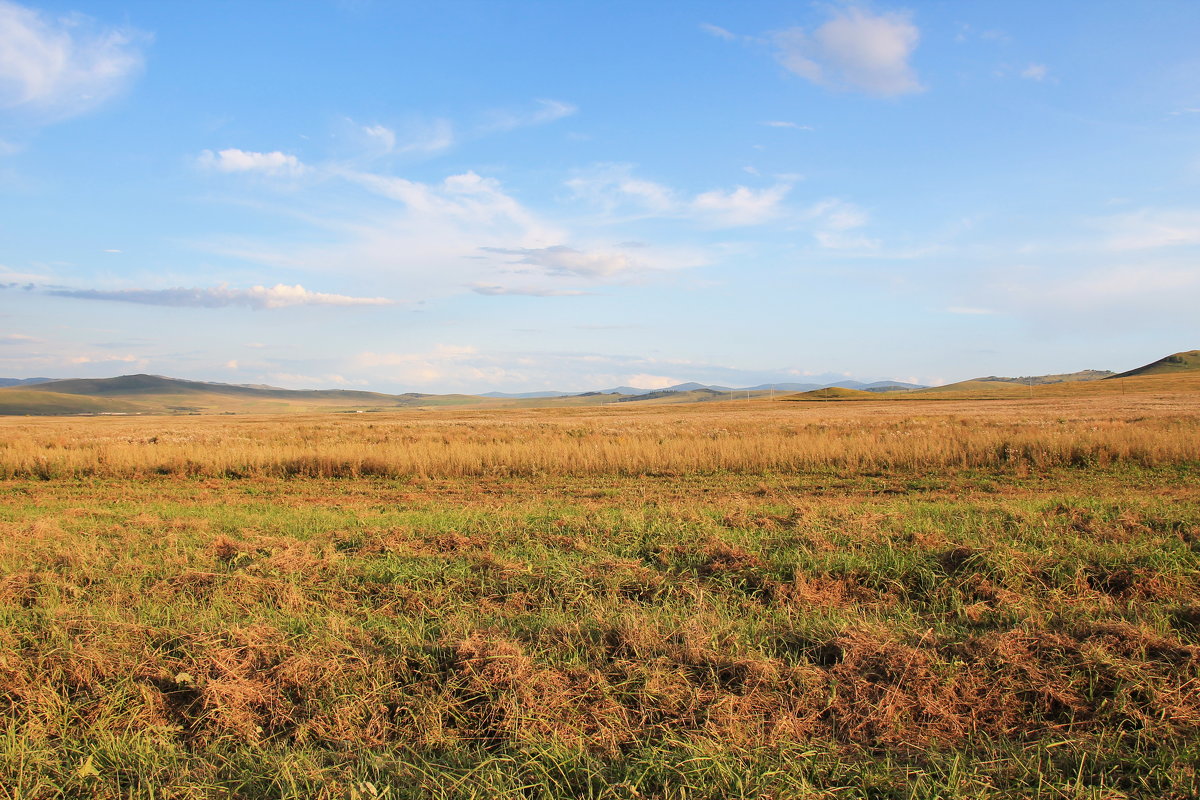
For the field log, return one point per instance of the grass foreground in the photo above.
(1021, 622)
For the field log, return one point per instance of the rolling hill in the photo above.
(155, 394)
(1067, 377)
(1185, 361)
(835, 393)
(21, 401)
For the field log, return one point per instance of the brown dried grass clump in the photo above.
(20, 588)
(227, 550)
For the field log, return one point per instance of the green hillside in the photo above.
(1186, 361)
(26, 401)
(1066, 377)
(835, 393)
(156, 385)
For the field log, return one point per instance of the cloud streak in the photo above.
(544, 111)
(527, 291)
(256, 297)
(562, 260)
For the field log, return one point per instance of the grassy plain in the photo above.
(875, 599)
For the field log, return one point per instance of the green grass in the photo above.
(900, 635)
(1186, 361)
(19, 401)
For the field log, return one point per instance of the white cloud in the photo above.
(614, 185)
(1035, 72)
(445, 365)
(614, 188)
(126, 359)
(259, 297)
(644, 380)
(543, 112)
(562, 260)
(18, 338)
(55, 68)
(786, 124)
(385, 137)
(234, 160)
(527, 291)
(836, 222)
(419, 138)
(968, 310)
(855, 49)
(741, 206)
(718, 31)
(1151, 228)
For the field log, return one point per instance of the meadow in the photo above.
(923, 599)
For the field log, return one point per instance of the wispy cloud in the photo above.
(256, 297)
(837, 223)
(785, 124)
(718, 31)
(562, 260)
(420, 137)
(543, 111)
(614, 187)
(1150, 228)
(1035, 72)
(18, 338)
(59, 67)
(856, 49)
(741, 206)
(234, 160)
(526, 291)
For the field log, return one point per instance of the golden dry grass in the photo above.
(751, 436)
(827, 600)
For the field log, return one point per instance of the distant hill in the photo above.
(155, 394)
(677, 395)
(22, 401)
(1041, 380)
(529, 395)
(23, 381)
(834, 393)
(1185, 361)
(978, 385)
(782, 387)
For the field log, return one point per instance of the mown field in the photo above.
(742, 600)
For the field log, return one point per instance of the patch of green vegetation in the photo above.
(1186, 361)
(787, 635)
(28, 402)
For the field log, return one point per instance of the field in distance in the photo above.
(913, 599)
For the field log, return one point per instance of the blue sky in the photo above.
(473, 196)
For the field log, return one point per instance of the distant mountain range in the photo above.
(156, 394)
(877, 386)
(22, 381)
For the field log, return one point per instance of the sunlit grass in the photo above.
(642, 625)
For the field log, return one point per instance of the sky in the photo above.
(518, 196)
